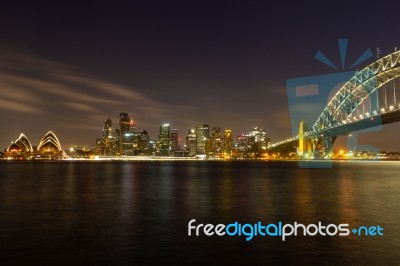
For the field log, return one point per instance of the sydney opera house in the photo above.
(21, 149)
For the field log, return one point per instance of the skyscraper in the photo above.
(108, 141)
(191, 142)
(106, 145)
(117, 136)
(143, 139)
(174, 139)
(243, 145)
(216, 141)
(125, 134)
(227, 143)
(165, 140)
(260, 139)
(107, 129)
(152, 147)
(202, 136)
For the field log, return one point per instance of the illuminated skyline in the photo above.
(67, 68)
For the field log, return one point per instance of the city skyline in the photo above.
(123, 139)
(110, 118)
(67, 69)
(200, 143)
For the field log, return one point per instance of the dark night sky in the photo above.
(225, 63)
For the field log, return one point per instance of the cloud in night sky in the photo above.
(40, 94)
(44, 93)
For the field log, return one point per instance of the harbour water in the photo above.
(129, 213)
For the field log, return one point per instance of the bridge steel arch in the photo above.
(354, 92)
(339, 116)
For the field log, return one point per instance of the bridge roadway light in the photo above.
(391, 107)
(383, 110)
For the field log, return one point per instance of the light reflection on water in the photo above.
(137, 212)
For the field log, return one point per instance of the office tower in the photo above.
(191, 142)
(164, 140)
(216, 143)
(143, 139)
(208, 147)
(174, 140)
(227, 148)
(107, 128)
(202, 136)
(261, 140)
(126, 134)
(243, 145)
(108, 141)
(152, 147)
(117, 142)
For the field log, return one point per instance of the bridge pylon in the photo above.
(314, 147)
(305, 149)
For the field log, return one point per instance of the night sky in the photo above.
(67, 67)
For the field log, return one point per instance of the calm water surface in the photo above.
(129, 213)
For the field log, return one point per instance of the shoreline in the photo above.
(190, 159)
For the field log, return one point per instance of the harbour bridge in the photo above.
(366, 100)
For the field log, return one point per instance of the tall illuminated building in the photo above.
(228, 143)
(117, 136)
(191, 142)
(202, 137)
(164, 140)
(216, 142)
(126, 134)
(108, 139)
(260, 139)
(208, 147)
(107, 128)
(174, 139)
(152, 147)
(243, 145)
(143, 140)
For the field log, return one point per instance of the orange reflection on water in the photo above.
(303, 201)
(348, 212)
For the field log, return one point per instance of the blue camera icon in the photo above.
(312, 99)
